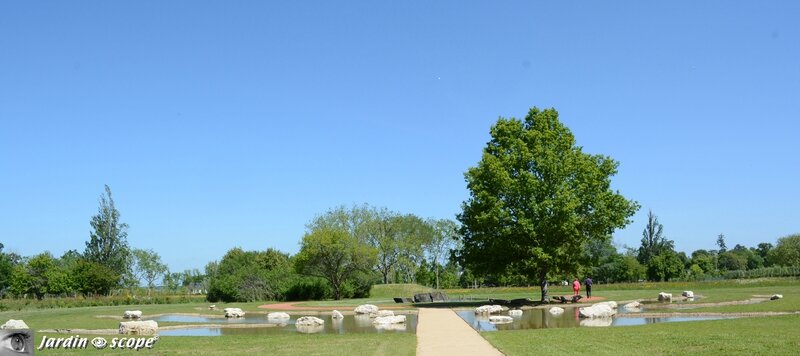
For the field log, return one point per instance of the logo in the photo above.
(16, 342)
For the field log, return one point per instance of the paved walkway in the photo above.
(443, 332)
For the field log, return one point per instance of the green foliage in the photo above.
(92, 278)
(536, 198)
(108, 244)
(338, 257)
(309, 288)
(786, 252)
(147, 266)
(250, 276)
(664, 267)
(654, 242)
(7, 263)
(619, 268)
(732, 261)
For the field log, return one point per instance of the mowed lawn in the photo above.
(774, 335)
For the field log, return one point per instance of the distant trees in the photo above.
(248, 276)
(148, 266)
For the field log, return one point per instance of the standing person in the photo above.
(576, 286)
(588, 283)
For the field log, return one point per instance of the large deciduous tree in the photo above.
(108, 240)
(536, 198)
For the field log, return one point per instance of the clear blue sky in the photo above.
(222, 124)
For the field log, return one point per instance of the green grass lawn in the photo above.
(759, 335)
(279, 344)
(778, 335)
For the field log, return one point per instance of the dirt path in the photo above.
(443, 332)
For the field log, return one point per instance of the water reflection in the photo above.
(350, 324)
(543, 319)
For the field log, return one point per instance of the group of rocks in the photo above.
(495, 309)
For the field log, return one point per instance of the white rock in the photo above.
(212, 307)
(336, 315)
(381, 313)
(611, 304)
(515, 313)
(14, 324)
(309, 321)
(144, 327)
(688, 294)
(310, 329)
(132, 314)
(391, 327)
(776, 296)
(500, 319)
(278, 316)
(488, 309)
(366, 309)
(597, 322)
(392, 319)
(599, 310)
(664, 297)
(556, 310)
(234, 313)
(633, 306)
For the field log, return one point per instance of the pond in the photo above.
(542, 319)
(350, 324)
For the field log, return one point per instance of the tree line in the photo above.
(540, 209)
(107, 264)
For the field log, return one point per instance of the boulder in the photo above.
(143, 327)
(234, 313)
(390, 327)
(515, 313)
(310, 329)
(611, 304)
(776, 297)
(500, 319)
(278, 316)
(422, 298)
(597, 322)
(336, 315)
(392, 319)
(212, 307)
(688, 294)
(633, 306)
(14, 324)
(309, 321)
(598, 310)
(488, 309)
(438, 297)
(132, 314)
(664, 297)
(381, 313)
(556, 310)
(366, 309)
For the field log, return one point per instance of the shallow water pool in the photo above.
(350, 324)
(542, 319)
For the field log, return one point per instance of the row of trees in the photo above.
(106, 264)
(344, 252)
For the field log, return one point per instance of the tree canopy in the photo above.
(536, 198)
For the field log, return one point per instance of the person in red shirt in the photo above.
(576, 287)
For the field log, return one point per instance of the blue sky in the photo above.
(233, 124)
